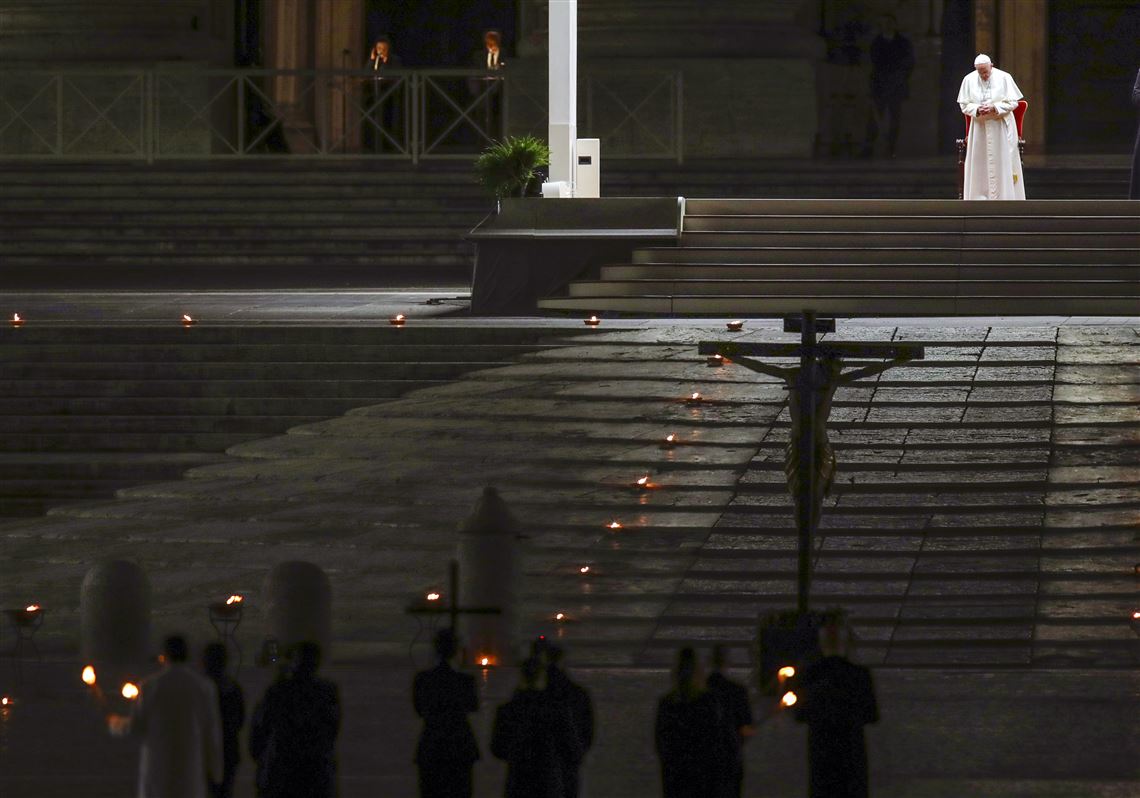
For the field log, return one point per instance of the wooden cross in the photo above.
(810, 460)
(452, 610)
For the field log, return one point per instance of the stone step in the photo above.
(435, 215)
(237, 248)
(967, 242)
(947, 207)
(881, 254)
(307, 190)
(96, 465)
(855, 223)
(1072, 283)
(840, 271)
(392, 235)
(362, 389)
(859, 305)
(46, 403)
(223, 202)
(191, 371)
(439, 337)
(150, 442)
(22, 347)
(16, 427)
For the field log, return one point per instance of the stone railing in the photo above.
(408, 115)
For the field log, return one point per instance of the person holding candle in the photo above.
(836, 700)
(231, 706)
(447, 750)
(175, 715)
(292, 736)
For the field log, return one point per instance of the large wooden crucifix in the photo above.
(452, 608)
(810, 460)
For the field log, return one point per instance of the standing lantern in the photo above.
(489, 567)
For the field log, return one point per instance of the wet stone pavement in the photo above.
(982, 534)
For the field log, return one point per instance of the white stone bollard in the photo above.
(114, 617)
(489, 568)
(298, 603)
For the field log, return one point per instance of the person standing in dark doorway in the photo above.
(691, 736)
(567, 693)
(892, 62)
(736, 709)
(535, 736)
(489, 87)
(383, 97)
(490, 57)
(231, 704)
(836, 700)
(294, 729)
(447, 750)
(1134, 187)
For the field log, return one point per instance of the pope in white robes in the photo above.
(993, 162)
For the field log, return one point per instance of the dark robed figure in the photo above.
(836, 700)
(576, 699)
(692, 737)
(447, 750)
(1134, 187)
(736, 709)
(534, 734)
(231, 707)
(294, 729)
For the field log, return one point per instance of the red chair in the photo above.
(1018, 117)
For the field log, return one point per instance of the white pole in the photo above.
(563, 89)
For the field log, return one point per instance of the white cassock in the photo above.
(993, 163)
(177, 719)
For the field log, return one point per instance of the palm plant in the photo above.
(508, 167)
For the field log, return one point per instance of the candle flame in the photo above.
(786, 672)
(398, 319)
(89, 676)
(585, 569)
(433, 596)
(32, 608)
(235, 599)
(130, 691)
(644, 481)
(789, 699)
(695, 397)
(615, 524)
(485, 661)
(671, 437)
(16, 318)
(1136, 615)
(560, 616)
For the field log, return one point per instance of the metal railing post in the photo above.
(59, 114)
(242, 115)
(679, 117)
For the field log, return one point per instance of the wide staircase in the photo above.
(87, 410)
(301, 224)
(880, 257)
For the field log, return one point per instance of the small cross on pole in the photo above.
(810, 461)
(453, 609)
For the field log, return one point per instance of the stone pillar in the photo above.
(114, 617)
(338, 45)
(562, 93)
(489, 568)
(298, 605)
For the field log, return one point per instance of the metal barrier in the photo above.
(408, 115)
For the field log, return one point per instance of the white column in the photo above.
(563, 89)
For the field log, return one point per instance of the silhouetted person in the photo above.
(836, 700)
(489, 58)
(176, 718)
(231, 706)
(294, 729)
(892, 61)
(1134, 186)
(447, 750)
(382, 106)
(535, 736)
(692, 736)
(736, 708)
(566, 692)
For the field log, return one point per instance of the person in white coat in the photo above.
(176, 718)
(993, 162)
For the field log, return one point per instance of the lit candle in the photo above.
(433, 596)
(187, 320)
(694, 398)
(17, 321)
(130, 691)
(398, 320)
(614, 525)
(788, 699)
(559, 616)
(585, 569)
(6, 701)
(715, 360)
(1136, 615)
(486, 661)
(735, 326)
(593, 321)
(785, 672)
(670, 440)
(88, 675)
(32, 608)
(645, 484)
(235, 599)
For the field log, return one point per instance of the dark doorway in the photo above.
(1093, 60)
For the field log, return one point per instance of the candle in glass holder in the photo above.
(715, 360)
(398, 320)
(615, 525)
(694, 398)
(593, 321)
(188, 320)
(17, 321)
(670, 440)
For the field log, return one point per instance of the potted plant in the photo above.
(508, 168)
